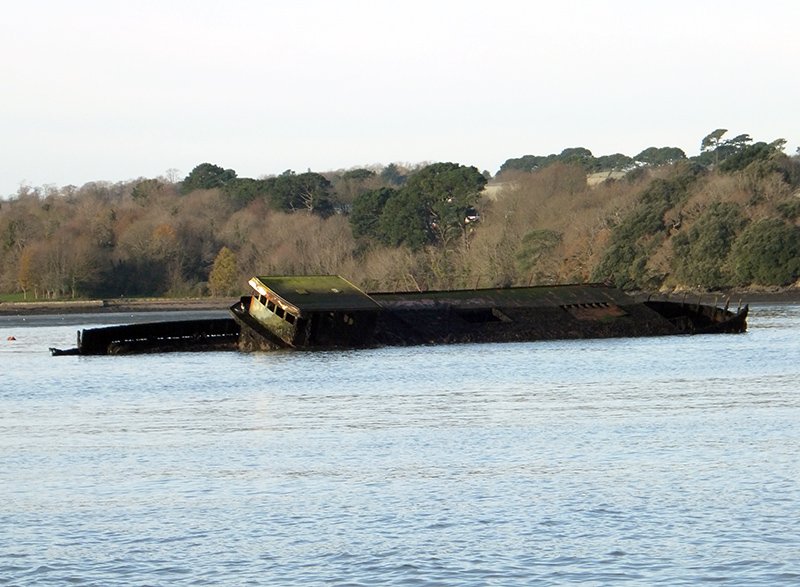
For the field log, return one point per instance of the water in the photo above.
(663, 461)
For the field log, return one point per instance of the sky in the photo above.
(110, 90)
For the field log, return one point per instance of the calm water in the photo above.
(672, 461)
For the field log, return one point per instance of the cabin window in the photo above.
(279, 312)
(289, 318)
(270, 306)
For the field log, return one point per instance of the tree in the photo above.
(710, 153)
(535, 246)
(222, 281)
(570, 156)
(354, 182)
(525, 163)
(615, 162)
(577, 156)
(767, 252)
(393, 175)
(432, 207)
(712, 140)
(636, 235)
(243, 190)
(26, 273)
(307, 191)
(148, 189)
(443, 193)
(655, 156)
(404, 221)
(701, 252)
(744, 156)
(715, 150)
(738, 142)
(358, 174)
(207, 176)
(366, 213)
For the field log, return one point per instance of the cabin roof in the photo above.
(316, 293)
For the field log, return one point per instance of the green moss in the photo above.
(317, 292)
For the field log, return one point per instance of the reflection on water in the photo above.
(664, 460)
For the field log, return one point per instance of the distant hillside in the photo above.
(730, 220)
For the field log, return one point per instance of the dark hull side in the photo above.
(418, 319)
(443, 326)
(157, 337)
(700, 319)
(404, 323)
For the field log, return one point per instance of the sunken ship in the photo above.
(329, 312)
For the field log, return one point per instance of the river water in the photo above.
(661, 461)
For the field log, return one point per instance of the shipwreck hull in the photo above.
(446, 325)
(157, 337)
(328, 312)
(701, 319)
(460, 316)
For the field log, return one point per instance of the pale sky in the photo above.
(107, 90)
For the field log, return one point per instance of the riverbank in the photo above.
(115, 305)
(787, 296)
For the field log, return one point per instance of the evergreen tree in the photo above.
(222, 281)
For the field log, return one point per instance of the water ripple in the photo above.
(651, 461)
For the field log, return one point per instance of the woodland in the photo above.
(728, 218)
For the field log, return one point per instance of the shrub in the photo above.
(767, 253)
(535, 247)
(634, 238)
(701, 252)
(789, 210)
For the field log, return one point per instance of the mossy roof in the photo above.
(317, 293)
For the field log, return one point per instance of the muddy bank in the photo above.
(791, 296)
(112, 306)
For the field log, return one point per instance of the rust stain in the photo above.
(598, 311)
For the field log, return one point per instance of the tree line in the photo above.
(714, 149)
(729, 217)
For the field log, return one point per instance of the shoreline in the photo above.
(114, 306)
(790, 296)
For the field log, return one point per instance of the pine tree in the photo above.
(222, 281)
